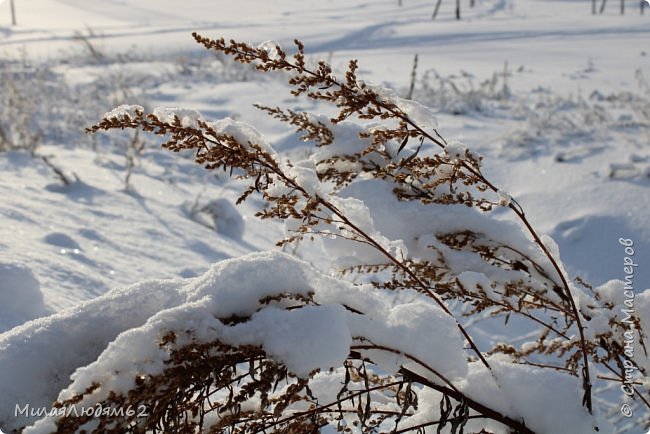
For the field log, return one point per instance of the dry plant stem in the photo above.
(330, 81)
(622, 378)
(451, 391)
(410, 273)
(384, 252)
(541, 365)
(292, 183)
(418, 428)
(408, 356)
(516, 208)
(538, 321)
(58, 172)
(518, 426)
(586, 384)
(323, 407)
(587, 401)
(371, 241)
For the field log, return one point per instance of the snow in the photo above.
(456, 149)
(404, 323)
(304, 174)
(416, 112)
(242, 132)
(222, 216)
(512, 394)
(306, 339)
(188, 117)
(272, 49)
(471, 279)
(313, 337)
(69, 339)
(556, 393)
(21, 298)
(125, 110)
(411, 221)
(552, 97)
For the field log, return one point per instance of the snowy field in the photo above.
(557, 101)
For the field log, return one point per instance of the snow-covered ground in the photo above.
(555, 98)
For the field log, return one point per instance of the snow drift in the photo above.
(114, 338)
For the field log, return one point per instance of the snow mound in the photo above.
(522, 391)
(315, 336)
(20, 295)
(62, 240)
(222, 216)
(134, 320)
(37, 358)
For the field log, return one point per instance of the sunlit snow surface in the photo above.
(573, 116)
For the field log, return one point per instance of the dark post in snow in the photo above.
(414, 72)
(13, 12)
(642, 6)
(602, 6)
(435, 10)
(593, 7)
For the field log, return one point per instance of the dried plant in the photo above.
(133, 153)
(461, 94)
(20, 106)
(216, 387)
